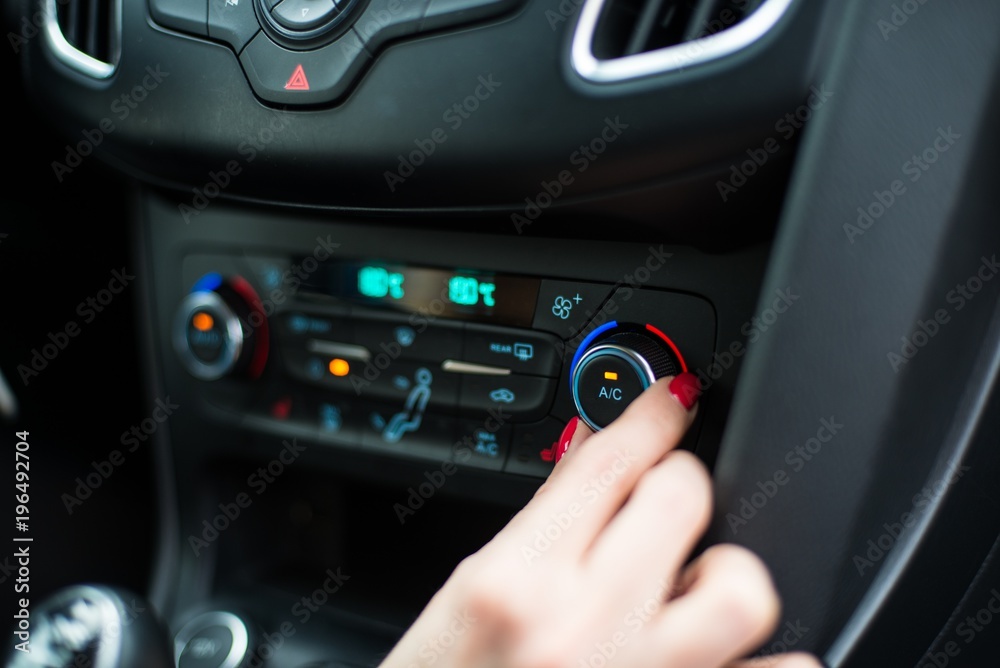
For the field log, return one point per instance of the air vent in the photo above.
(85, 34)
(624, 39)
(628, 27)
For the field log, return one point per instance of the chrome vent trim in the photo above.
(73, 57)
(671, 58)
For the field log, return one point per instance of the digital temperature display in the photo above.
(470, 295)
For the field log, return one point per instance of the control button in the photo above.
(409, 432)
(396, 337)
(408, 384)
(384, 20)
(283, 76)
(336, 420)
(190, 16)
(442, 13)
(208, 338)
(615, 369)
(533, 448)
(207, 649)
(212, 640)
(303, 14)
(524, 398)
(220, 328)
(520, 350)
(273, 276)
(281, 410)
(607, 383)
(334, 373)
(565, 307)
(299, 326)
(232, 21)
(482, 445)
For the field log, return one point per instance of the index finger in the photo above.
(595, 482)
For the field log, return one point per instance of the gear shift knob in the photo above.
(92, 625)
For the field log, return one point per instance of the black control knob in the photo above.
(215, 639)
(221, 329)
(615, 369)
(304, 23)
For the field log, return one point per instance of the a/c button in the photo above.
(605, 385)
(288, 77)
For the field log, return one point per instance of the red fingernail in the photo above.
(565, 438)
(686, 389)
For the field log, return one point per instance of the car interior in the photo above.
(301, 294)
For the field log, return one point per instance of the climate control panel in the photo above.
(481, 368)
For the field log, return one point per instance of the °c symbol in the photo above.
(298, 80)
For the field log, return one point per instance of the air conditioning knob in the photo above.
(615, 369)
(221, 329)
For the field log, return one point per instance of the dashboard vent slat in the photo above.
(630, 27)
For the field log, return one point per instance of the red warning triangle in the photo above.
(298, 80)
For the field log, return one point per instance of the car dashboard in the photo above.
(371, 250)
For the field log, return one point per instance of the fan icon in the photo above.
(561, 307)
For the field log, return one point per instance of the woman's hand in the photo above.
(591, 573)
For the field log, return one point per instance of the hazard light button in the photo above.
(286, 77)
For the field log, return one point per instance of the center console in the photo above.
(376, 400)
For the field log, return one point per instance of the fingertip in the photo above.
(581, 434)
(662, 407)
(685, 388)
(565, 439)
(799, 660)
(575, 433)
(793, 660)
